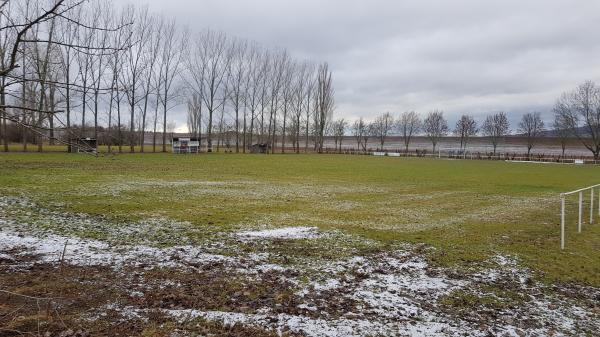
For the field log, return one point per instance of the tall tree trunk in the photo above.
(262, 121)
(3, 127)
(155, 124)
(244, 132)
(132, 120)
(298, 134)
(68, 95)
(283, 130)
(110, 108)
(209, 131)
(24, 135)
(272, 130)
(199, 125)
(251, 127)
(83, 109)
(114, 87)
(237, 125)
(307, 123)
(51, 115)
(119, 129)
(24, 104)
(164, 135)
(96, 94)
(38, 137)
(144, 114)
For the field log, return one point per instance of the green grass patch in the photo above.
(468, 210)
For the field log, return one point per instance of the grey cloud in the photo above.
(462, 56)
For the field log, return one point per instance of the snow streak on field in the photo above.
(394, 292)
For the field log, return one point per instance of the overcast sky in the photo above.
(461, 56)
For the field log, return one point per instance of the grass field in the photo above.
(468, 211)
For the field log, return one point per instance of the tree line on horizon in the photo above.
(576, 115)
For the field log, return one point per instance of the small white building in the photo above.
(185, 145)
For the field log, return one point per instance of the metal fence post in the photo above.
(580, 211)
(591, 206)
(562, 221)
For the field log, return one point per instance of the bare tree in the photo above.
(237, 76)
(253, 90)
(98, 69)
(6, 37)
(132, 79)
(300, 87)
(4, 53)
(435, 127)
(196, 71)
(359, 130)
(495, 127)
(279, 65)
(309, 106)
(369, 133)
(382, 126)
(22, 29)
(287, 97)
(324, 103)
(561, 128)
(339, 131)
(52, 45)
(264, 92)
(212, 50)
(579, 112)
(221, 122)
(409, 124)
(532, 126)
(117, 62)
(69, 33)
(175, 47)
(466, 127)
(194, 115)
(150, 59)
(85, 65)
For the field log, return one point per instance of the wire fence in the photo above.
(466, 155)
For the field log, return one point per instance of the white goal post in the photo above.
(582, 193)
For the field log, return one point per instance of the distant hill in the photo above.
(552, 133)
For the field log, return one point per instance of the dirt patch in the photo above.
(269, 284)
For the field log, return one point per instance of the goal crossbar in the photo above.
(580, 209)
(580, 190)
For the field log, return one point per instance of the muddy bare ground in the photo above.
(251, 283)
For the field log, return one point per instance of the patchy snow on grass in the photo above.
(22, 215)
(393, 293)
(6, 257)
(284, 233)
(390, 293)
(316, 327)
(54, 248)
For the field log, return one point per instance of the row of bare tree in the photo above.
(576, 115)
(90, 67)
(245, 94)
(434, 126)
